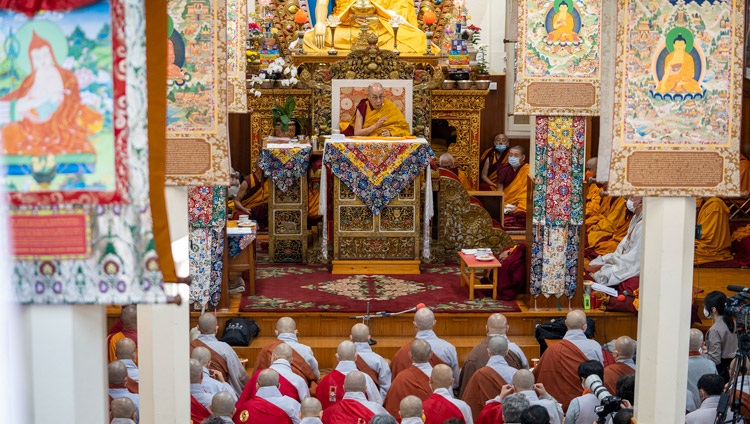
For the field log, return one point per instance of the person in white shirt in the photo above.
(710, 387)
(210, 384)
(625, 262)
(410, 410)
(223, 406)
(125, 351)
(311, 411)
(286, 331)
(281, 358)
(122, 411)
(523, 383)
(208, 327)
(196, 389)
(698, 366)
(360, 335)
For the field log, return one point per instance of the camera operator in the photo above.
(623, 416)
(710, 387)
(581, 409)
(721, 342)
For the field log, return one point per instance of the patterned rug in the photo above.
(303, 288)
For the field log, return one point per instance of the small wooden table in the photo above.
(469, 266)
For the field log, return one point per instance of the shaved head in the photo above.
(129, 316)
(410, 407)
(375, 87)
(346, 351)
(523, 380)
(222, 404)
(355, 382)
(420, 351)
(360, 333)
(424, 319)
(196, 372)
(286, 325)
(202, 355)
(625, 347)
(696, 339)
(497, 345)
(283, 351)
(591, 164)
(447, 160)
(268, 377)
(441, 377)
(122, 408)
(575, 320)
(116, 372)
(207, 323)
(310, 407)
(125, 349)
(497, 324)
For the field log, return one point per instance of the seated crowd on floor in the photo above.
(424, 381)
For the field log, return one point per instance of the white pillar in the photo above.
(163, 360)
(664, 315)
(66, 363)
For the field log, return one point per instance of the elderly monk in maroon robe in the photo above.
(558, 367)
(489, 380)
(286, 332)
(354, 408)
(624, 365)
(126, 326)
(269, 405)
(414, 380)
(441, 405)
(497, 325)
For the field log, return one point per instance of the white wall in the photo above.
(489, 15)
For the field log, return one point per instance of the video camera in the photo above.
(607, 403)
(738, 308)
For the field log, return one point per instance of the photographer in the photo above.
(721, 342)
(581, 409)
(710, 387)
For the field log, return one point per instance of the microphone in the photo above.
(420, 306)
(738, 289)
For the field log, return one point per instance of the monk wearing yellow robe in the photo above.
(252, 196)
(448, 162)
(744, 175)
(593, 194)
(563, 25)
(715, 242)
(604, 226)
(411, 40)
(679, 71)
(514, 176)
(609, 244)
(491, 160)
(376, 116)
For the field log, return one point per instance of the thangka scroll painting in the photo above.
(63, 118)
(236, 56)
(122, 267)
(677, 108)
(197, 143)
(558, 57)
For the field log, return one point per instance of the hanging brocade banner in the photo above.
(558, 204)
(207, 215)
(236, 56)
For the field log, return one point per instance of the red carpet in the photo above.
(302, 288)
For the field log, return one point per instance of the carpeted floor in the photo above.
(303, 288)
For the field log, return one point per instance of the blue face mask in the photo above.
(501, 147)
(513, 161)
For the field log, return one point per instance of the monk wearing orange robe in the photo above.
(609, 244)
(252, 197)
(744, 174)
(45, 109)
(715, 241)
(623, 353)
(489, 380)
(126, 327)
(303, 361)
(593, 193)
(513, 178)
(491, 160)
(606, 225)
(447, 162)
(414, 380)
(285, 387)
(376, 116)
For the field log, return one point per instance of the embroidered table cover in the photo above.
(284, 164)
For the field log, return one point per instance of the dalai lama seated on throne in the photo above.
(376, 116)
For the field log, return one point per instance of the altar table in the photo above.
(376, 204)
(469, 266)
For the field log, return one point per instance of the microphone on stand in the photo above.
(372, 341)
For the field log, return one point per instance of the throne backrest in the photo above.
(347, 93)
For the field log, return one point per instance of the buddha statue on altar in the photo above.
(411, 40)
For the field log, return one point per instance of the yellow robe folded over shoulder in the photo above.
(395, 122)
(515, 193)
(715, 242)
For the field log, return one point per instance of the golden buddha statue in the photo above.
(411, 40)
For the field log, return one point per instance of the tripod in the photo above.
(737, 375)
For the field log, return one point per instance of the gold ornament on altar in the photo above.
(363, 11)
(395, 22)
(429, 18)
(332, 22)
